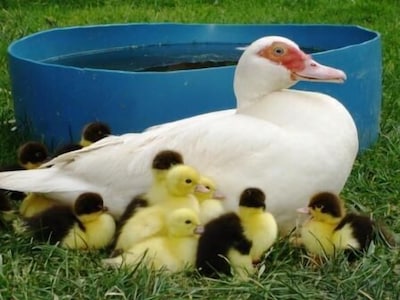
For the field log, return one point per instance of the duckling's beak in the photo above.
(218, 195)
(303, 210)
(201, 189)
(199, 229)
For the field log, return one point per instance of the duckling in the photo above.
(94, 132)
(31, 155)
(259, 226)
(224, 249)
(86, 226)
(173, 251)
(326, 211)
(91, 133)
(179, 186)
(162, 163)
(210, 202)
(134, 206)
(330, 230)
(34, 203)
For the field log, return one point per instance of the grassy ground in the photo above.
(32, 271)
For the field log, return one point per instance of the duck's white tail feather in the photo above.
(48, 180)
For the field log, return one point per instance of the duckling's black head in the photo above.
(327, 203)
(95, 131)
(88, 203)
(32, 152)
(165, 159)
(252, 197)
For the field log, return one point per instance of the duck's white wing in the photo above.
(119, 166)
(238, 151)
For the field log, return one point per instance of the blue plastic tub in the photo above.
(121, 74)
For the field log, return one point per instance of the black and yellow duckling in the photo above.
(223, 248)
(91, 133)
(173, 251)
(237, 240)
(86, 226)
(259, 225)
(30, 155)
(329, 230)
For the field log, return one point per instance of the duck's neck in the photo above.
(248, 213)
(254, 81)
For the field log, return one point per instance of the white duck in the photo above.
(291, 144)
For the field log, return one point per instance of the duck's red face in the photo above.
(301, 65)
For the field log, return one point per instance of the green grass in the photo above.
(32, 271)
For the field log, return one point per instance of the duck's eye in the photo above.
(188, 222)
(319, 206)
(279, 51)
(188, 180)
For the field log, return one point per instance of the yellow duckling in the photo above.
(330, 230)
(87, 226)
(173, 251)
(210, 201)
(180, 183)
(162, 163)
(259, 226)
(35, 203)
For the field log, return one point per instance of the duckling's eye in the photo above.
(188, 222)
(320, 206)
(188, 180)
(208, 187)
(279, 51)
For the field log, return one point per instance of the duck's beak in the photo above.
(199, 229)
(218, 195)
(201, 189)
(314, 71)
(303, 210)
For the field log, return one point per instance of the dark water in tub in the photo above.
(157, 58)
